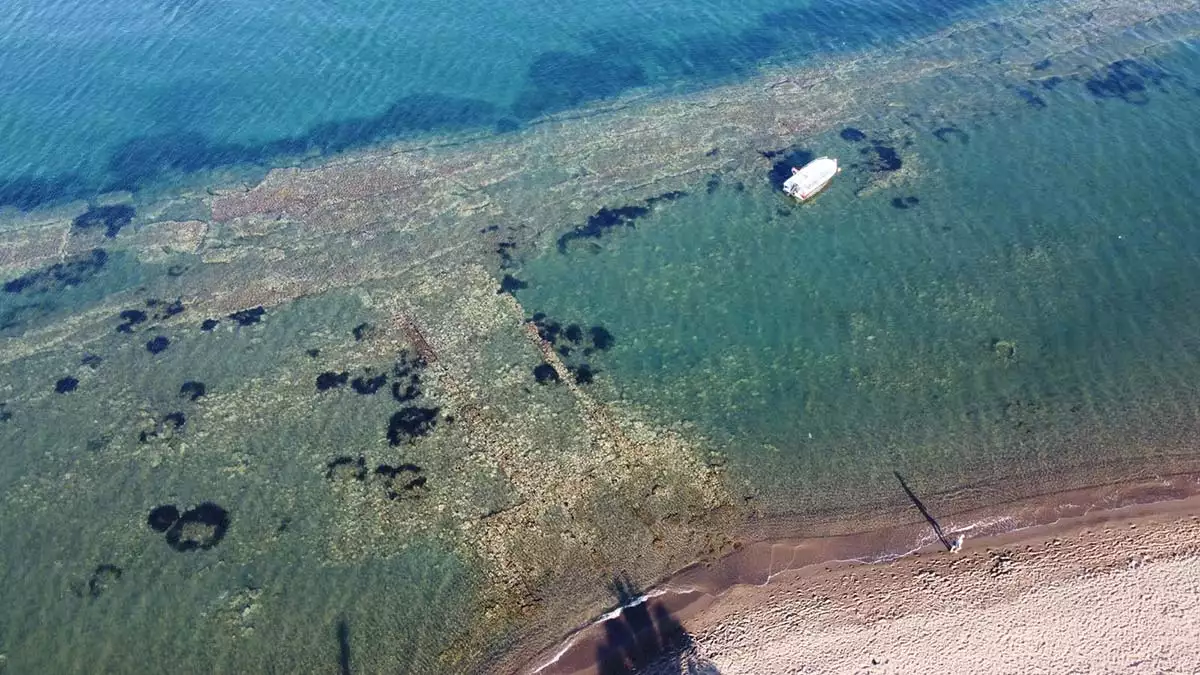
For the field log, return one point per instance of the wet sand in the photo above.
(1090, 580)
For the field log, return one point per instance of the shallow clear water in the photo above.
(1015, 303)
(1008, 298)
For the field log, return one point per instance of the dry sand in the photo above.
(1116, 590)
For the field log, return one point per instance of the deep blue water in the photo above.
(121, 96)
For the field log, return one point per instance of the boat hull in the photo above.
(811, 178)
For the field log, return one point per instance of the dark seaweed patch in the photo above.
(404, 393)
(503, 250)
(5, 413)
(92, 361)
(601, 338)
(200, 528)
(361, 331)
(65, 385)
(166, 309)
(1048, 83)
(161, 518)
(944, 134)
(312, 353)
(209, 324)
(713, 184)
(409, 424)
(898, 202)
(331, 380)
(881, 157)
(574, 333)
(130, 318)
(247, 317)
(402, 482)
(31, 191)
(346, 466)
(164, 429)
(666, 197)
(1031, 99)
(71, 272)
(1042, 65)
(782, 169)
(547, 329)
(852, 135)
(103, 577)
(192, 390)
(603, 220)
(111, 218)
(545, 374)
(158, 344)
(584, 374)
(368, 385)
(1127, 80)
(510, 284)
(407, 384)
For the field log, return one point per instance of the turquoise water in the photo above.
(996, 294)
(1017, 305)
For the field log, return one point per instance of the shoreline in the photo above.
(698, 597)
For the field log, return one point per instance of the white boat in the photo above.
(811, 178)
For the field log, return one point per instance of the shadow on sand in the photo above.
(644, 639)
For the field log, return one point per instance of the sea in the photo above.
(403, 337)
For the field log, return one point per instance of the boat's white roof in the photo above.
(812, 176)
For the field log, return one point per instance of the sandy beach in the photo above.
(1105, 590)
